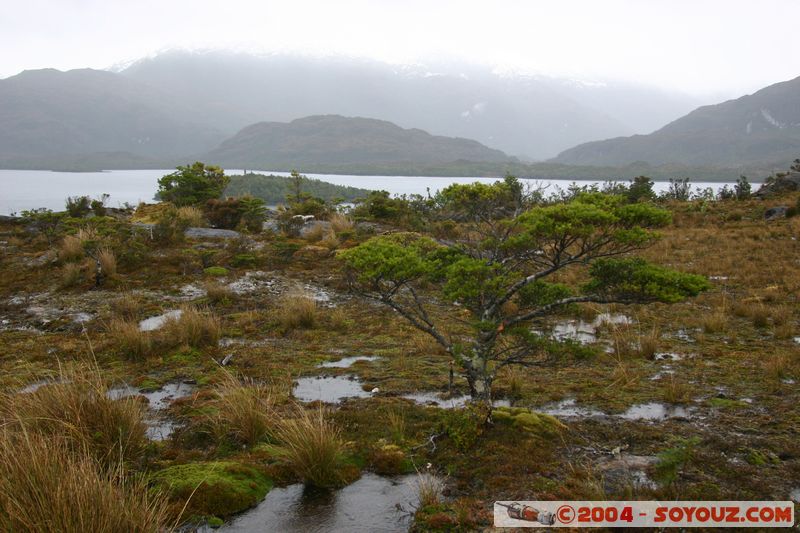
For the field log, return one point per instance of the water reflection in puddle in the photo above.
(371, 504)
(328, 389)
(569, 408)
(455, 402)
(654, 411)
(347, 362)
(156, 322)
(158, 426)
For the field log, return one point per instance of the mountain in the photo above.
(333, 141)
(58, 118)
(757, 130)
(531, 117)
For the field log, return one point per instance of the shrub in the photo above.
(340, 223)
(192, 184)
(78, 206)
(312, 446)
(298, 310)
(78, 409)
(169, 227)
(224, 214)
(253, 213)
(47, 486)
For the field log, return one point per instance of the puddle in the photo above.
(654, 411)
(611, 318)
(797, 340)
(683, 335)
(158, 427)
(435, 399)
(666, 371)
(795, 495)
(575, 330)
(328, 389)
(36, 385)
(81, 318)
(568, 408)
(156, 322)
(347, 362)
(373, 503)
(237, 341)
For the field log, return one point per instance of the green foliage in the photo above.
(641, 189)
(78, 206)
(224, 214)
(275, 189)
(46, 221)
(464, 426)
(216, 271)
(398, 257)
(221, 488)
(254, 213)
(193, 184)
(379, 206)
(672, 460)
(472, 281)
(170, 226)
(535, 424)
(742, 188)
(635, 279)
(480, 200)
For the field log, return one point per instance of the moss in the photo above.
(537, 424)
(761, 457)
(726, 403)
(216, 271)
(220, 488)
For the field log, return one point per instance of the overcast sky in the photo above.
(725, 47)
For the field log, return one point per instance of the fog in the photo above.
(712, 49)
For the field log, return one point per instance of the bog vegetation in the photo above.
(485, 340)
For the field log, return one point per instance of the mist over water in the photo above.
(30, 189)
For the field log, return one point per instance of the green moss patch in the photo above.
(221, 488)
(536, 424)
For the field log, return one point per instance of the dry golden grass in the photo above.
(218, 293)
(127, 306)
(430, 489)
(108, 262)
(337, 318)
(759, 314)
(78, 409)
(245, 410)
(48, 486)
(340, 222)
(314, 233)
(330, 241)
(677, 391)
(714, 322)
(396, 422)
(71, 249)
(312, 446)
(777, 366)
(129, 339)
(297, 311)
(195, 327)
(191, 216)
(71, 275)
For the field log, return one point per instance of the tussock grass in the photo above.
(245, 410)
(191, 216)
(127, 306)
(297, 311)
(677, 391)
(312, 446)
(396, 422)
(218, 293)
(78, 410)
(195, 327)
(314, 233)
(126, 336)
(71, 275)
(330, 241)
(108, 262)
(48, 486)
(340, 223)
(71, 249)
(430, 489)
(714, 322)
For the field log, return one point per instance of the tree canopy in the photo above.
(507, 250)
(192, 184)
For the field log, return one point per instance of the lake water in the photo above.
(28, 189)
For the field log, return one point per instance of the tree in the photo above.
(193, 184)
(742, 188)
(641, 189)
(508, 253)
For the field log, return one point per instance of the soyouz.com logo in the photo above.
(759, 514)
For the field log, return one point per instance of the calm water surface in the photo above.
(28, 189)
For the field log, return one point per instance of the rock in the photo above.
(271, 225)
(212, 233)
(774, 213)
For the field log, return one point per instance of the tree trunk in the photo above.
(479, 378)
